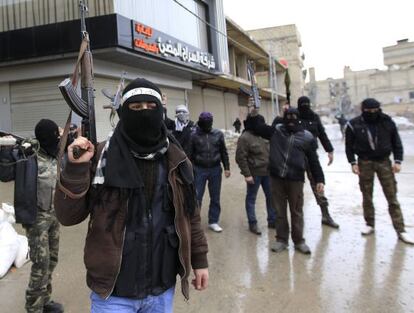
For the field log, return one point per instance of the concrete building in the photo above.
(400, 55)
(158, 40)
(393, 87)
(161, 41)
(284, 43)
(223, 91)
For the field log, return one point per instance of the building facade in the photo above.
(393, 87)
(284, 43)
(40, 40)
(168, 43)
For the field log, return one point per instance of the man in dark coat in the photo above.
(144, 227)
(291, 152)
(373, 136)
(312, 123)
(237, 125)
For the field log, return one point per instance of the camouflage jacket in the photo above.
(46, 181)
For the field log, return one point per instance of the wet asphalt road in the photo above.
(345, 273)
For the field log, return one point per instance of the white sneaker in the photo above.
(215, 227)
(406, 238)
(368, 230)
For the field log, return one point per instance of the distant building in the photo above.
(284, 43)
(393, 87)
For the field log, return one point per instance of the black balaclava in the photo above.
(143, 127)
(291, 125)
(304, 108)
(252, 121)
(205, 122)
(47, 132)
(370, 117)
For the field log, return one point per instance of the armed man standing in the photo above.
(144, 226)
(43, 235)
(312, 123)
(373, 136)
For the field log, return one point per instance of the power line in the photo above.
(220, 32)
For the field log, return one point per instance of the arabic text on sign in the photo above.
(141, 29)
(149, 47)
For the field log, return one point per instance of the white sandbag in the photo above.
(3, 216)
(7, 141)
(9, 245)
(9, 212)
(22, 256)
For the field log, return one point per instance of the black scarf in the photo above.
(292, 125)
(305, 112)
(121, 169)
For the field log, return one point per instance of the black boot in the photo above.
(327, 219)
(254, 229)
(53, 307)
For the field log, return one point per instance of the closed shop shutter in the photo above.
(174, 98)
(195, 103)
(214, 103)
(36, 99)
(103, 125)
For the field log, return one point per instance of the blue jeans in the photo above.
(151, 304)
(251, 196)
(213, 176)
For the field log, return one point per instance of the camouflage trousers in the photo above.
(386, 177)
(43, 237)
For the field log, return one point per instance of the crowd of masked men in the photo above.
(143, 187)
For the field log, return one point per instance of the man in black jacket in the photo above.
(290, 147)
(373, 136)
(312, 122)
(207, 150)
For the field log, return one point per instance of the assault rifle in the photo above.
(115, 99)
(84, 105)
(253, 92)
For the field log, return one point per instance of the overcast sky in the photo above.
(334, 33)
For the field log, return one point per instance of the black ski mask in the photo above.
(47, 132)
(304, 108)
(370, 103)
(251, 122)
(370, 117)
(143, 127)
(205, 122)
(291, 120)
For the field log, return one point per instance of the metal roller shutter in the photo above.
(103, 125)
(33, 100)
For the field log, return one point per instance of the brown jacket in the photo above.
(103, 247)
(252, 155)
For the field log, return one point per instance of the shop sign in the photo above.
(154, 42)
